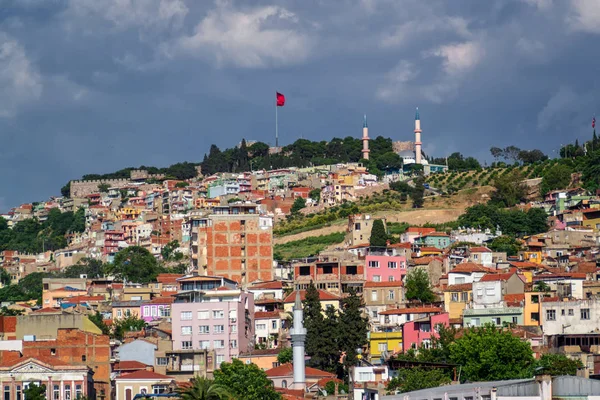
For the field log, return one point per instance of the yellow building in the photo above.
(380, 342)
(429, 251)
(264, 359)
(533, 307)
(129, 212)
(591, 218)
(456, 298)
(533, 256)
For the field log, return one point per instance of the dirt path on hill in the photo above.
(417, 217)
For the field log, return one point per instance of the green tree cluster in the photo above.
(204, 389)
(379, 236)
(33, 236)
(134, 264)
(556, 177)
(334, 333)
(505, 244)
(510, 222)
(558, 365)
(458, 162)
(417, 286)
(245, 381)
(298, 205)
(415, 192)
(509, 190)
(123, 325)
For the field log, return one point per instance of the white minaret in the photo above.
(365, 140)
(417, 137)
(298, 334)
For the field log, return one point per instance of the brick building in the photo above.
(235, 242)
(78, 348)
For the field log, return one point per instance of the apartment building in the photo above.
(235, 242)
(212, 313)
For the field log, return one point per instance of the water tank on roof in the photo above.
(29, 338)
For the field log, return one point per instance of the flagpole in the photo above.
(276, 124)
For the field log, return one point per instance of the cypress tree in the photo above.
(379, 236)
(353, 328)
(313, 320)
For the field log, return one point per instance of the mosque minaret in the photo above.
(417, 137)
(365, 139)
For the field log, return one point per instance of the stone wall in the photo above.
(83, 188)
(401, 146)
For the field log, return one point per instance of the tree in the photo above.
(135, 264)
(313, 321)
(542, 286)
(511, 153)
(496, 152)
(418, 192)
(488, 354)
(103, 187)
(245, 381)
(557, 176)
(418, 287)
(10, 312)
(353, 328)
(591, 171)
(298, 205)
(169, 251)
(182, 184)
(558, 365)
(505, 244)
(32, 286)
(35, 392)
(285, 355)
(129, 324)
(509, 190)
(379, 236)
(315, 195)
(327, 358)
(90, 267)
(65, 191)
(409, 379)
(5, 277)
(99, 322)
(203, 389)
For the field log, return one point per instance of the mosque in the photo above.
(411, 153)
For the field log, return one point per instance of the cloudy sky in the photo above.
(91, 86)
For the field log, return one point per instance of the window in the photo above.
(284, 384)
(205, 344)
(233, 328)
(497, 321)
(161, 361)
(158, 389)
(454, 297)
(219, 344)
(79, 392)
(19, 392)
(390, 278)
(373, 264)
(53, 352)
(119, 314)
(220, 359)
(562, 312)
(374, 313)
(84, 358)
(474, 321)
(365, 376)
(233, 344)
(232, 316)
(261, 327)
(203, 314)
(490, 291)
(425, 327)
(186, 315)
(571, 311)
(551, 315)
(204, 329)
(67, 392)
(585, 313)
(186, 345)
(274, 324)
(6, 392)
(479, 292)
(219, 328)
(391, 295)
(218, 314)
(458, 280)
(55, 392)
(376, 278)
(186, 330)
(464, 297)
(535, 316)
(515, 320)
(373, 295)
(382, 347)
(392, 264)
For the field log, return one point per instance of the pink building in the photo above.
(384, 268)
(156, 309)
(419, 332)
(211, 313)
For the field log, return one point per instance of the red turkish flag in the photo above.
(280, 100)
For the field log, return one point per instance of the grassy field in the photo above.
(306, 247)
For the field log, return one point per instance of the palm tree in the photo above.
(204, 389)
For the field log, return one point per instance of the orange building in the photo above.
(238, 242)
(77, 347)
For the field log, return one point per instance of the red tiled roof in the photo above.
(469, 268)
(524, 264)
(586, 267)
(430, 249)
(83, 299)
(417, 229)
(559, 275)
(461, 287)
(481, 249)
(161, 300)
(323, 295)
(400, 245)
(514, 300)
(437, 234)
(498, 277)
(383, 284)
(266, 314)
(412, 310)
(168, 278)
(48, 310)
(288, 370)
(425, 260)
(52, 361)
(267, 285)
(129, 365)
(324, 381)
(145, 376)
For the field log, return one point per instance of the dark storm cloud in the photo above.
(92, 86)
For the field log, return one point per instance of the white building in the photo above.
(570, 317)
(267, 325)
